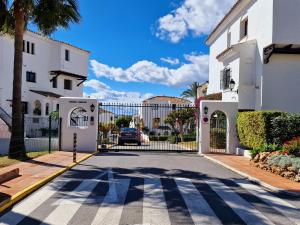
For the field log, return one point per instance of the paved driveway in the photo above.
(152, 188)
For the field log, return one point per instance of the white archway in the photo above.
(230, 109)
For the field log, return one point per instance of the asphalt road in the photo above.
(152, 188)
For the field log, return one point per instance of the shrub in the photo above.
(187, 138)
(264, 148)
(254, 128)
(284, 161)
(285, 127)
(158, 138)
(292, 146)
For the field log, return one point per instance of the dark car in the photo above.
(129, 135)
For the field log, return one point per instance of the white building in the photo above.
(254, 62)
(51, 69)
(106, 116)
(155, 110)
(257, 47)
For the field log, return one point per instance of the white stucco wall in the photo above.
(86, 136)
(281, 82)
(231, 110)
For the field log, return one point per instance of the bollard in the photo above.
(74, 147)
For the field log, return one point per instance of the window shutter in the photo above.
(221, 79)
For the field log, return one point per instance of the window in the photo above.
(228, 39)
(244, 28)
(68, 84)
(225, 78)
(67, 55)
(32, 49)
(47, 109)
(30, 77)
(54, 82)
(25, 107)
(28, 47)
(57, 107)
(173, 107)
(79, 118)
(37, 108)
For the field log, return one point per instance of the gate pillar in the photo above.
(80, 116)
(207, 108)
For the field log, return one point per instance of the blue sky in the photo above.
(141, 48)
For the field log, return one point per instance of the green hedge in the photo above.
(255, 128)
(158, 138)
(285, 127)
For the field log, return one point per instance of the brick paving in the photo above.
(35, 170)
(243, 165)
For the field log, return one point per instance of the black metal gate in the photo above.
(218, 132)
(148, 127)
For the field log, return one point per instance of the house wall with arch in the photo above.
(87, 134)
(230, 109)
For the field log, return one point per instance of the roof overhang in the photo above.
(46, 94)
(57, 73)
(287, 49)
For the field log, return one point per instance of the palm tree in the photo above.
(15, 15)
(191, 92)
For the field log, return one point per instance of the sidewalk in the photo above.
(242, 166)
(33, 174)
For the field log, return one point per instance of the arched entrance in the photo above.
(218, 132)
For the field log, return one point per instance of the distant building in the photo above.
(155, 110)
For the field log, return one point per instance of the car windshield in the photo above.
(128, 130)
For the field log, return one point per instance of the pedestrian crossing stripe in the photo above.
(162, 201)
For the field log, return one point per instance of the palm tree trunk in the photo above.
(17, 145)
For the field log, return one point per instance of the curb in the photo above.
(27, 191)
(253, 179)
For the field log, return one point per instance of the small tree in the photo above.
(123, 121)
(181, 117)
(106, 128)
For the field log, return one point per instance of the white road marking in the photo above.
(290, 211)
(154, 205)
(199, 209)
(243, 208)
(27, 206)
(110, 211)
(69, 205)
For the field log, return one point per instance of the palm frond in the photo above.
(50, 15)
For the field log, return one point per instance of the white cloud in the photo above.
(170, 61)
(104, 93)
(195, 69)
(196, 16)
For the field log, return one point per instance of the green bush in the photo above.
(254, 128)
(188, 138)
(284, 161)
(158, 138)
(292, 146)
(218, 138)
(265, 148)
(285, 127)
